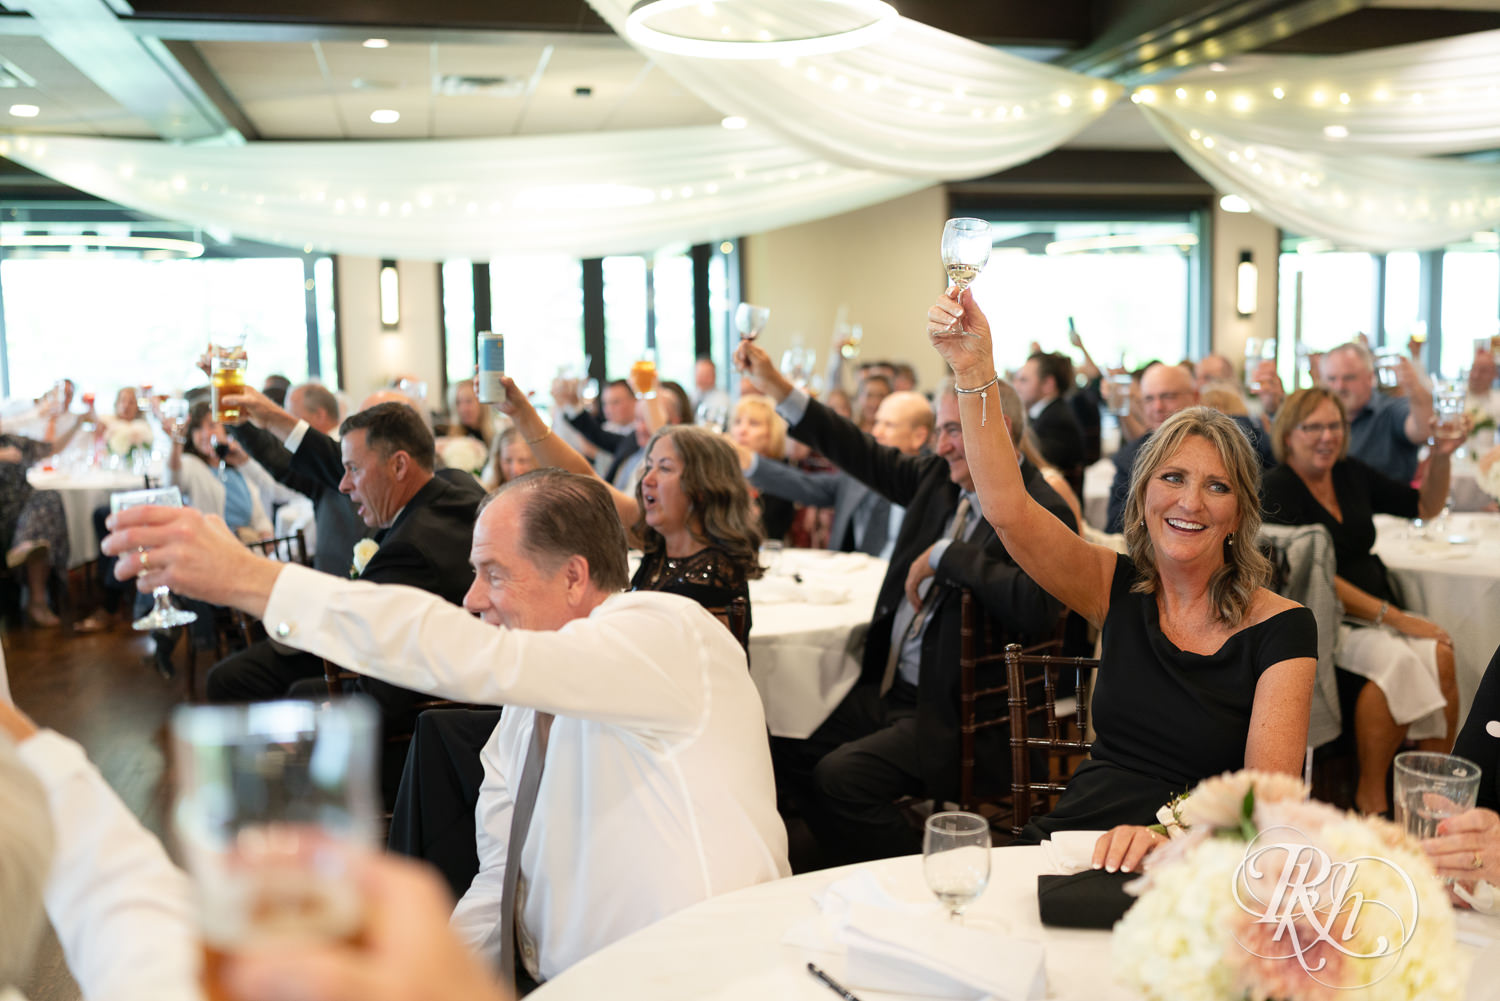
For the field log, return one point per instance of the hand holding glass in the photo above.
(750, 320)
(956, 858)
(966, 250)
(162, 615)
(1429, 787)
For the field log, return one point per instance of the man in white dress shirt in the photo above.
(657, 789)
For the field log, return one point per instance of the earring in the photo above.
(1229, 539)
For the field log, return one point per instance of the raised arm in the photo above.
(1419, 399)
(1075, 572)
(1433, 496)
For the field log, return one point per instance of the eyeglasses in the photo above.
(1318, 430)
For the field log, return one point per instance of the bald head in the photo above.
(903, 421)
(1166, 389)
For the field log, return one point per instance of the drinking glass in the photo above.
(849, 345)
(1120, 385)
(956, 859)
(643, 374)
(274, 802)
(1257, 350)
(1388, 367)
(966, 250)
(750, 320)
(1448, 402)
(713, 415)
(1430, 786)
(163, 614)
(770, 555)
(227, 356)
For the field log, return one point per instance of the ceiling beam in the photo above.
(140, 73)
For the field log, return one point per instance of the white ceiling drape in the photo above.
(585, 195)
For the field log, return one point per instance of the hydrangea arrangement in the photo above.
(468, 454)
(1262, 894)
(124, 438)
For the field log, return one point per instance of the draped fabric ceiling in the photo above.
(1356, 149)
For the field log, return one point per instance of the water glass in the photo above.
(163, 614)
(770, 555)
(274, 802)
(1388, 367)
(956, 858)
(1430, 786)
(1120, 385)
(1448, 402)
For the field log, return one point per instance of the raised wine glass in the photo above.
(966, 250)
(750, 320)
(956, 859)
(163, 614)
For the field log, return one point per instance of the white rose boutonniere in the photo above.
(364, 551)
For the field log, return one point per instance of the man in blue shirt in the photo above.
(1385, 432)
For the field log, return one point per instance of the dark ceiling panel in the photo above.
(1377, 27)
(498, 15)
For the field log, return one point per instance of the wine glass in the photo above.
(966, 250)
(162, 615)
(770, 555)
(750, 320)
(956, 858)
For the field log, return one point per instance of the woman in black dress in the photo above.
(1396, 674)
(1203, 668)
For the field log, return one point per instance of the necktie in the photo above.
(918, 617)
(520, 822)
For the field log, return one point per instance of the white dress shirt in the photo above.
(657, 791)
(123, 913)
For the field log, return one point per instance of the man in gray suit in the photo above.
(863, 521)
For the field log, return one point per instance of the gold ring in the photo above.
(1478, 862)
(145, 559)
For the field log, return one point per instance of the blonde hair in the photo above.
(762, 407)
(26, 839)
(1233, 585)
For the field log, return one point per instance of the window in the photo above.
(672, 285)
(459, 322)
(108, 322)
(624, 313)
(1338, 297)
(536, 301)
(1471, 302)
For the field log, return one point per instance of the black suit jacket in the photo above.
(339, 524)
(427, 546)
(1061, 440)
(1023, 610)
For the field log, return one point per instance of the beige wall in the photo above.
(881, 262)
(1234, 232)
(371, 355)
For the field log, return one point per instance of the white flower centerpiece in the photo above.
(463, 452)
(128, 439)
(1262, 894)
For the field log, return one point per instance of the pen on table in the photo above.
(833, 984)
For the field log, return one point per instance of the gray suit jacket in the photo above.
(837, 490)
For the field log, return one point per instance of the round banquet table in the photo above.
(81, 493)
(1453, 578)
(809, 614)
(731, 948)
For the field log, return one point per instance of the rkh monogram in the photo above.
(1312, 901)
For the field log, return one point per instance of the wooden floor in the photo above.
(103, 691)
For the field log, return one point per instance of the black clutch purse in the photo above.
(1094, 898)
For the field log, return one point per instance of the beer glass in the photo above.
(275, 801)
(227, 355)
(163, 614)
(1448, 402)
(643, 374)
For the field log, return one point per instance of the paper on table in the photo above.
(1069, 852)
(888, 951)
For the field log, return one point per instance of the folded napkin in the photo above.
(888, 951)
(1094, 898)
(1071, 851)
(786, 591)
(862, 887)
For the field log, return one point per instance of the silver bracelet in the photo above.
(984, 398)
(1385, 606)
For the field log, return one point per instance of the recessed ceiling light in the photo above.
(25, 110)
(734, 122)
(376, 43)
(1234, 203)
(385, 116)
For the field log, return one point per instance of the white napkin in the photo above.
(888, 951)
(786, 591)
(862, 887)
(1069, 852)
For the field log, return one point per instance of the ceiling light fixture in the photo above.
(1234, 203)
(89, 241)
(376, 43)
(385, 116)
(739, 29)
(25, 110)
(733, 122)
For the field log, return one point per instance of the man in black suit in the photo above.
(1041, 384)
(896, 732)
(424, 525)
(863, 520)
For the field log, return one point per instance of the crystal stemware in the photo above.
(966, 250)
(163, 614)
(750, 320)
(956, 859)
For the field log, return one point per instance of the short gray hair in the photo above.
(26, 839)
(568, 514)
(1364, 354)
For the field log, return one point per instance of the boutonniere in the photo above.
(364, 551)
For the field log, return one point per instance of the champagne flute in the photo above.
(750, 320)
(966, 250)
(849, 347)
(956, 859)
(162, 615)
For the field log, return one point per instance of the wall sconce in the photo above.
(390, 295)
(1246, 285)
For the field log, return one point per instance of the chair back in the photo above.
(284, 549)
(981, 690)
(736, 618)
(1044, 725)
(1308, 580)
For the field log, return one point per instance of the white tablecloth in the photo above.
(802, 631)
(1097, 479)
(730, 948)
(81, 493)
(1456, 584)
